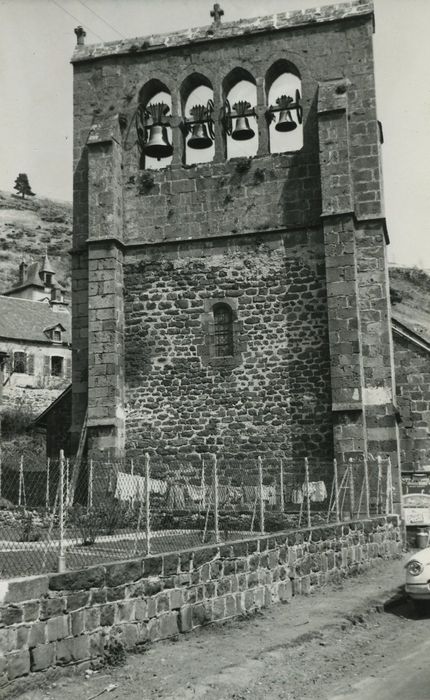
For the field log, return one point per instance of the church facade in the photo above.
(230, 289)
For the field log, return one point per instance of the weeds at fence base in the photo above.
(114, 653)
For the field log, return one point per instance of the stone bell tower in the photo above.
(229, 256)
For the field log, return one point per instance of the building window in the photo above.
(19, 362)
(56, 335)
(223, 330)
(56, 366)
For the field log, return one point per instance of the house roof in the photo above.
(22, 319)
(41, 420)
(404, 330)
(33, 277)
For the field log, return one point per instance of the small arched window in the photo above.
(240, 95)
(223, 330)
(283, 86)
(197, 107)
(156, 100)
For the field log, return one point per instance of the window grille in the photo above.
(223, 331)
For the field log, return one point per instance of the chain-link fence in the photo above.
(66, 515)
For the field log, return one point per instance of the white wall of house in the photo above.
(46, 365)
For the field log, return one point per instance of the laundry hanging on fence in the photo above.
(297, 496)
(157, 486)
(317, 491)
(175, 499)
(251, 493)
(129, 487)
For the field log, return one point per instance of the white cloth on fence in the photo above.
(157, 486)
(251, 493)
(317, 491)
(129, 487)
(196, 493)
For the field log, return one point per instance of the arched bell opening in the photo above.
(239, 115)
(284, 113)
(198, 125)
(154, 132)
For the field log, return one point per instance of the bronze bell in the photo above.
(286, 121)
(242, 130)
(158, 145)
(199, 138)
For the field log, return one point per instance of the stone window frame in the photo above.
(208, 348)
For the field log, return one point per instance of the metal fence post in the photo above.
(336, 490)
(351, 490)
(308, 496)
(90, 485)
(216, 502)
(366, 486)
(282, 486)
(21, 479)
(260, 486)
(48, 466)
(148, 504)
(61, 555)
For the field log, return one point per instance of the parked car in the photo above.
(418, 577)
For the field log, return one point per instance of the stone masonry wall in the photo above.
(72, 618)
(413, 399)
(274, 399)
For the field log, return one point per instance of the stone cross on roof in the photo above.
(217, 13)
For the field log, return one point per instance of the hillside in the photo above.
(28, 228)
(410, 298)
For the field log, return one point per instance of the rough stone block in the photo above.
(176, 598)
(168, 625)
(77, 622)
(31, 611)
(23, 589)
(93, 577)
(18, 664)
(123, 572)
(37, 634)
(42, 657)
(91, 619)
(79, 600)
(51, 607)
(170, 564)
(185, 618)
(201, 614)
(107, 615)
(22, 636)
(73, 649)
(153, 566)
(57, 627)
(7, 640)
(11, 615)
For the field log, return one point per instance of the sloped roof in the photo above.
(22, 319)
(406, 330)
(47, 266)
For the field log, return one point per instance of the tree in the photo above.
(22, 185)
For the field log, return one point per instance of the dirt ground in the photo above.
(315, 646)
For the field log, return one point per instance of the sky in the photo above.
(37, 41)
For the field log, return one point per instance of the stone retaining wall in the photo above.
(72, 618)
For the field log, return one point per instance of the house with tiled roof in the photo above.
(35, 337)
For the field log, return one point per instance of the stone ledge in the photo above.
(243, 27)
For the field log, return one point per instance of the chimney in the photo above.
(80, 36)
(23, 272)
